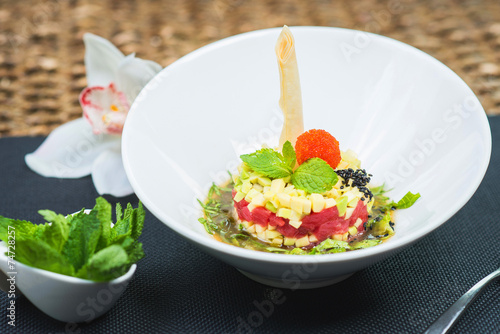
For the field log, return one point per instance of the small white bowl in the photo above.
(413, 122)
(62, 297)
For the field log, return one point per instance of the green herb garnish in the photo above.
(314, 176)
(289, 154)
(407, 201)
(82, 245)
(268, 162)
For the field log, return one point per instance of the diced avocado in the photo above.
(251, 206)
(251, 194)
(244, 175)
(236, 179)
(353, 230)
(261, 235)
(277, 241)
(304, 241)
(295, 223)
(351, 196)
(253, 177)
(295, 216)
(330, 202)
(268, 195)
(351, 158)
(260, 228)
(353, 203)
(317, 202)
(283, 212)
(277, 186)
(301, 193)
(370, 205)
(284, 199)
(348, 212)
(271, 207)
(258, 200)
(296, 204)
(264, 181)
(272, 234)
(246, 186)
(306, 205)
(342, 205)
(258, 187)
(239, 196)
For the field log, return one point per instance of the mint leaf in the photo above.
(407, 201)
(103, 209)
(39, 232)
(55, 234)
(24, 229)
(82, 239)
(314, 176)
(289, 154)
(108, 263)
(70, 245)
(39, 254)
(268, 162)
(137, 221)
(119, 211)
(130, 225)
(123, 227)
(135, 253)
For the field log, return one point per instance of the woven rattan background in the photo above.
(41, 49)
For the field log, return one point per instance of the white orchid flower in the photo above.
(92, 144)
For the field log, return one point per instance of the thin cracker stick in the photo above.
(291, 96)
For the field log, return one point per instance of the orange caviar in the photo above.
(318, 144)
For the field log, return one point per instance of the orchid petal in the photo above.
(101, 60)
(133, 74)
(109, 175)
(105, 108)
(70, 150)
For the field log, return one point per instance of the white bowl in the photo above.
(413, 122)
(64, 298)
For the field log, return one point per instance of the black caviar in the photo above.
(359, 179)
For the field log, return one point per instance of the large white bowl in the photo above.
(413, 122)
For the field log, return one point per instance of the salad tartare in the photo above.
(304, 197)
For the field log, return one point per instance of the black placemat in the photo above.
(177, 288)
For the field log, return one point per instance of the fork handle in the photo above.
(448, 318)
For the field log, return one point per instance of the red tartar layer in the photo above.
(322, 224)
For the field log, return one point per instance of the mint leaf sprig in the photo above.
(268, 162)
(314, 176)
(82, 245)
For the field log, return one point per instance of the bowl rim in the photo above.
(234, 251)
